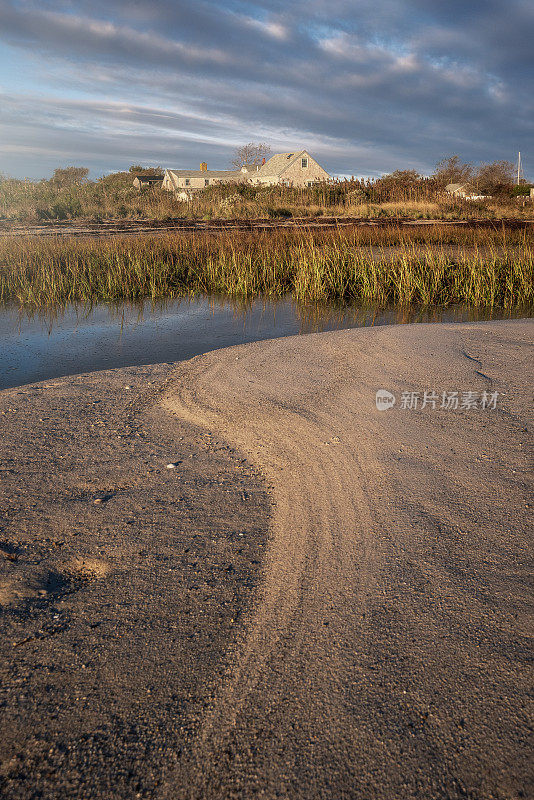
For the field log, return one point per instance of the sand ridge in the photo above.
(387, 652)
(378, 647)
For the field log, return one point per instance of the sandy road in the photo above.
(387, 655)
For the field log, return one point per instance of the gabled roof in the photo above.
(149, 177)
(279, 163)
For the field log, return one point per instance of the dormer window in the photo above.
(304, 163)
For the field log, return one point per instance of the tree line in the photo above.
(69, 193)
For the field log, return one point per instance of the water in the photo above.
(39, 346)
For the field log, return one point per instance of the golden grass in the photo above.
(435, 265)
(113, 196)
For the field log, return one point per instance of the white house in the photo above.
(186, 181)
(459, 190)
(290, 169)
(287, 169)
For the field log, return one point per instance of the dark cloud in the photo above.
(369, 86)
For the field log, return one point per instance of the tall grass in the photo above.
(114, 197)
(437, 266)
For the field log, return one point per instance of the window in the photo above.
(187, 181)
(309, 184)
(206, 181)
(304, 163)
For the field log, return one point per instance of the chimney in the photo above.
(203, 166)
(263, 161)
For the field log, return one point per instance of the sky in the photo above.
(367, 86)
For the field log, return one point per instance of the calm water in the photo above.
(80, 339)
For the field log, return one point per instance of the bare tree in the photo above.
(494, 178)
(452, 170)
(401, 178)
(251, 153)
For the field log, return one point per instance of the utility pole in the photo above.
(518, 167)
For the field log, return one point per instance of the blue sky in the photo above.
(368, 86)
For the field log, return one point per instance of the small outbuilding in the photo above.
(147, 181)
(456, 190)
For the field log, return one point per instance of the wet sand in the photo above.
(378, 646)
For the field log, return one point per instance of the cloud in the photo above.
(371, 86)
(60, 33)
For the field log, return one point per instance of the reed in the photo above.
(114, 197)
(434, 266)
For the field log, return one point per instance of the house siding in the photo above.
(182, 179)
(293, 174)
(299, 176)
(274, 173)
(266, 180)
(200, 183)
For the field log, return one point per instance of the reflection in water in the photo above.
(314, 317)
(40, 344)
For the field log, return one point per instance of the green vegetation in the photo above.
(427, 266)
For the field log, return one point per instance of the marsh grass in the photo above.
(114, 197)
(433, 266)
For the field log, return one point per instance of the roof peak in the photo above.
(279, 162)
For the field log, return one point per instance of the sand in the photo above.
(385, 650)
(388, 654)
(122, 582)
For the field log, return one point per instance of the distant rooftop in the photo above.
(206, 173)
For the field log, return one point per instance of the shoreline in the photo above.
(40, 347)
(136, 227)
